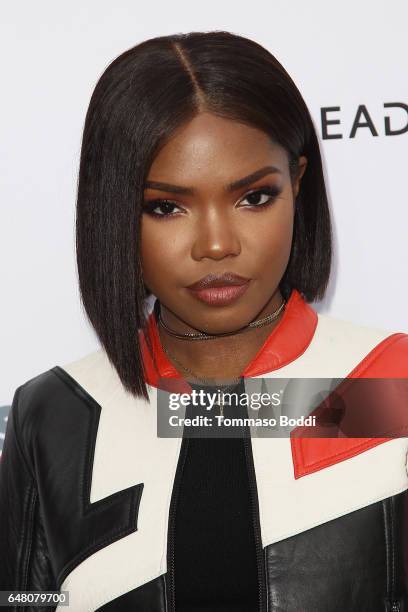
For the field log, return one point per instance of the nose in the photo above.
(216, 236)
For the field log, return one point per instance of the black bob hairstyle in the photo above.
(141, 98)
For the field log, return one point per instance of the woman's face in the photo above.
(197, 223)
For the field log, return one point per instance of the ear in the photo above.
(302, 163)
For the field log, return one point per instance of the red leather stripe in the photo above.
(389, 359)
(287, 341)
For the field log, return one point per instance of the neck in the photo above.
(234, 352)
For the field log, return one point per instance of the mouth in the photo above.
(219, 289)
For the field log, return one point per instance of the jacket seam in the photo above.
(393, 564)
(166, 604)
(163, 561)
(387, 547)
(265, 556)
(24, 563)
(15, 417)
(30, 502)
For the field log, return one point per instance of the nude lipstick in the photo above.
(219, 289)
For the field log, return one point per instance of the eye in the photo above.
(262, 197)
(259, 198)
(165, 206)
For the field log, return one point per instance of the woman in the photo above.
(201, 184)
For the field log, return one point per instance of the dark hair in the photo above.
(138, 102)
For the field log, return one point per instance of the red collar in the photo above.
(286, 342)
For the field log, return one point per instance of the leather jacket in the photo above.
(87, 487)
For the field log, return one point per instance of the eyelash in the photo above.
(150, 205)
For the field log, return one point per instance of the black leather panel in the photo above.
(59, 423)
(17, 505)
(150, 597)
(396, 535)
(355, 563)
(341, 565)
(24, 557)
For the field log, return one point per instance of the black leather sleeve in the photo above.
(24, 559)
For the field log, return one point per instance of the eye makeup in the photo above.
(167, 206)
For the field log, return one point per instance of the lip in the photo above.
(218, 280)
(219, 289)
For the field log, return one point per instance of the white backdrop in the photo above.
(341, 56)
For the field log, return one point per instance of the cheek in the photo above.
(161, 252)
(272, 241)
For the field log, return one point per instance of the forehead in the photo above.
(214, 146)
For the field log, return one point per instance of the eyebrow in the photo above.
(242, 182)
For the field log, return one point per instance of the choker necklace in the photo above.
(204, 336)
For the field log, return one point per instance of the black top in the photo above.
(214, 546)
